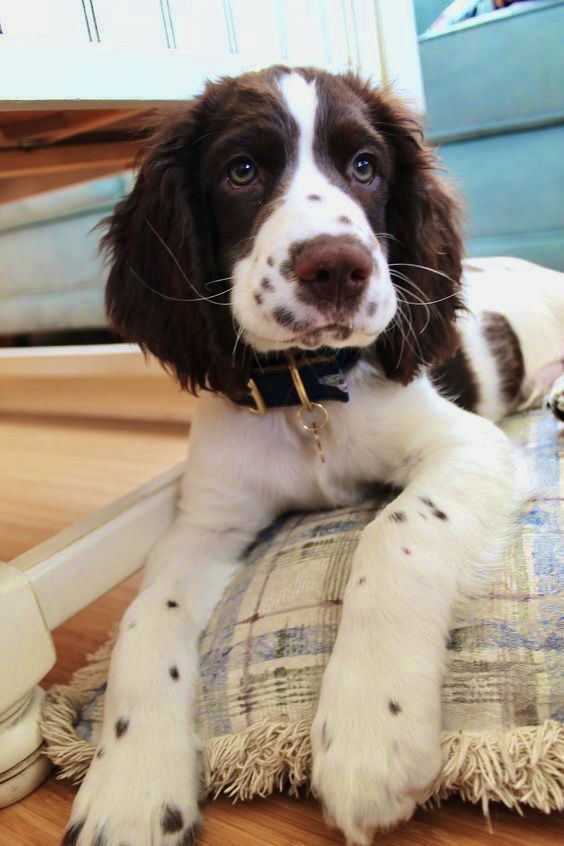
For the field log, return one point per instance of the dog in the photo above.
(290, 252)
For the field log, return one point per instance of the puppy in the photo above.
(290, 253)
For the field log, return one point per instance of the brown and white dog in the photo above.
(297, 211)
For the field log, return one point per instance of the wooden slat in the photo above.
(67, 158)
(58, 126)
(36, 127)
(113, 381)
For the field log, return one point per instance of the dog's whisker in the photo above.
(424, 267)
(171, 254)
(180, 299)
(237, 339)
(214, 281)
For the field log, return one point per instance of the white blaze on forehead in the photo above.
(296, 215)
(301, 99)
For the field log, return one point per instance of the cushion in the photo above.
(266, 646)
(468, 72)
(51, 275)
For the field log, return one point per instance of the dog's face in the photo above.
(286, 209)
(300, 212)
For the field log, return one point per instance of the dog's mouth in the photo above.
(313, 337)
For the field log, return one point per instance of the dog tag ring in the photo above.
(313, 419)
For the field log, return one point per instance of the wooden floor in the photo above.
(54, 472)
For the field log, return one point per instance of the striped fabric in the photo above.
(265, 649)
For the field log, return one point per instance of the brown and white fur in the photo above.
(247, 185)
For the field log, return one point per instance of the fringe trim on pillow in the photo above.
(521, 766)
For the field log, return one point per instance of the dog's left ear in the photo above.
(425, 251)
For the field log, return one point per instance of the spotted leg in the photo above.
(376, 734)
(143, 785)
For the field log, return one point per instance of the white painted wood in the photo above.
(115, 360)
(27, 652)
(133, 67)
(140, 24)
(109, 77)
(23, 766)
(81, 563)
(312, 33)
(200, 27)
(362, 23)
(399, 48)
(112, 381)
(62, 20)
(257, 22)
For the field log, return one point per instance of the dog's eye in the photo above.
(363, 169)
(241, 172)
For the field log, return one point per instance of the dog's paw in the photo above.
(373, 759)
(138, 792)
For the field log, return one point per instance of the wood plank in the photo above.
(55, 472)
(113, 381)
(67, 157)
(36, 127)
(58, 126)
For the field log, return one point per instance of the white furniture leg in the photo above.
(42, 588)
(26, 655)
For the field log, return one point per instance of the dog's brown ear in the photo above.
(425, 251)
(156, 243)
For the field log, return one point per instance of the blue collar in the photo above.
(323, 373)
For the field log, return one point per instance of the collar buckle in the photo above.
(260, 405)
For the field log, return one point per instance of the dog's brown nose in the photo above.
(334, 270)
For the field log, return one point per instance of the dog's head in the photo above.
(286, 209)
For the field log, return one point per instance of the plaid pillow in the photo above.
(267, 644)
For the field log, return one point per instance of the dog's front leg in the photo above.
(376, 735)
(143, 785)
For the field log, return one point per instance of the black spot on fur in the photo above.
(172, 603)
(362, 580)
(426, 501)
(270, 261)
(395, 707)
(371, 309)
(122, 726)
(325, 739)
(100, 753)
(190, 836)
(258, 298)
(398, 517)
(344, 219)
(73, 833)
(131, 626)
(283, 316)
(405, 550)
(286, 318)
(267, 284)
(171, 820)
(440, 515)
(174, 674)
(313, 197)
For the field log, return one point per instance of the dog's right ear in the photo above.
(157, 247)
